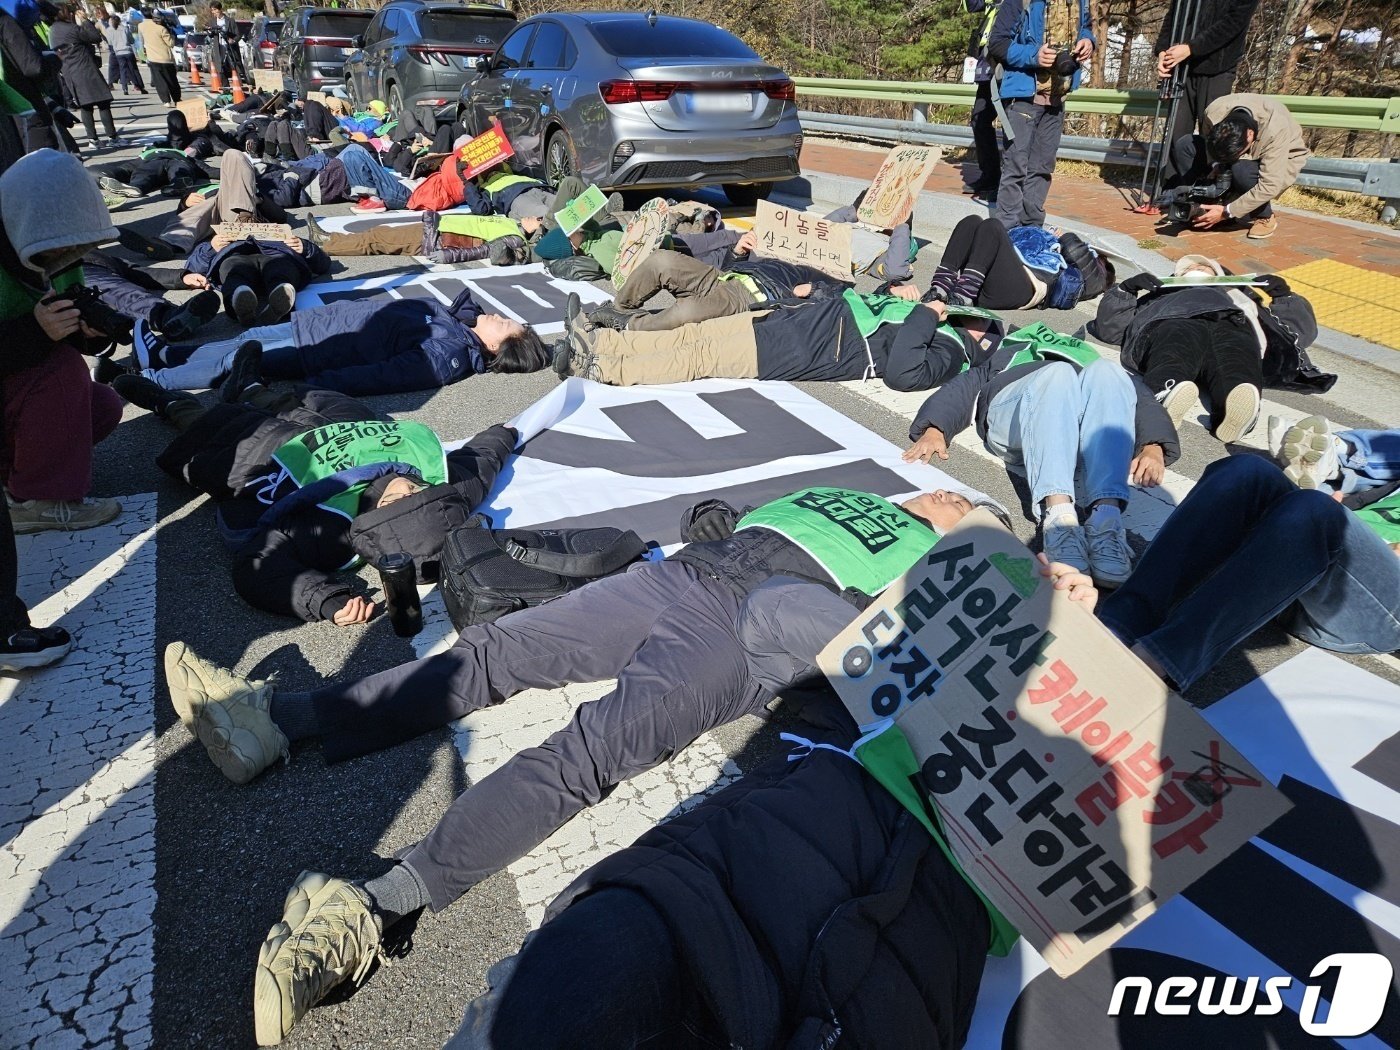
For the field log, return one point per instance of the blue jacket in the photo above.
(313, 262)
(1015, 41)
(388, 346)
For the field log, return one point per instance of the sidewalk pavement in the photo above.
(1359, 296)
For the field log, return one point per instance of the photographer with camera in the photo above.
(1250, 151)
(53, 412)
(1223, 344)
(1040, 44)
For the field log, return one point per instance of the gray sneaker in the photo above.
(1110, 557)
(116, 186)
(1307, 451)
(328, 933)
(1066, 544)
(228, 714)
(61, 515)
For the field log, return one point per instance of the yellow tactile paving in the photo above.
(1352, 300)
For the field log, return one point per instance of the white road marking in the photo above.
(77, 805)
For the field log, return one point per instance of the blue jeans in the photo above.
(1374, 458)
(210, 362)
(1058, 421)
(362, 168)
(1244, 547)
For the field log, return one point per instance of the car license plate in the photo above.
(721, 102)
(347, 50)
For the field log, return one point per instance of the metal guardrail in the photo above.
(1376, 178)
(1327, 111)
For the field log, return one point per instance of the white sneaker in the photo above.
(1110, 557)
(1066, 544)
(1241, 412)
(1307, 451)
(1178, 399)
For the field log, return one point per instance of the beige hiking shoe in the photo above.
(63, 515)
(228, 714)
(327, 933)
(1307, 452)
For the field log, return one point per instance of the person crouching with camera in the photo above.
(1040, 45)
(1256, 141)
(53, 412)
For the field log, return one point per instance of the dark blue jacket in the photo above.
(483, 203)
(387, 346)
(311, 260)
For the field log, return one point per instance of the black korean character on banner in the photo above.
(920, 605)
(1034, 654)
(1092, 895)
(943, 772)
(916, 666)
(1070, 825)
(997, 732)
(1124, 914)
(872, 626)
(894, 647)
(979, 677)
(981, 604)
(1019, 763)
(966, 636)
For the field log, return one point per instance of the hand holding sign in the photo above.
(897, 185)
(1076, 793)
(485, 151)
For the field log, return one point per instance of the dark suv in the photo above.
(312, 47)
(420, 53)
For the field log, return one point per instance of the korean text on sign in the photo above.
(803, 237)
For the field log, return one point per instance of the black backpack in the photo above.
(487, 573)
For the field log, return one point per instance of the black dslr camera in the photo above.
(1065, 63)
(1182, 204)
(96, 314)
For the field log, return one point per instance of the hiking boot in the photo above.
(560, 359)
(61, 515)
(117, 187)
(314, 233)
(610, 315)
(31, 647)
(154, 251)
(1241, 411)
(178, 323)
(1178, 399)
(1307, 451)
(509, 251)
(583, 361)
(136, 389)
(327, 933)
(280, 302)
(107, 370)
(1066, 544)
(243, 372)
(228, 714)
(243, 304)
(1110, 557)
(1262, 229)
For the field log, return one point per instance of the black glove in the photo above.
(1274, 285)
(1141, 282)
(711, 520)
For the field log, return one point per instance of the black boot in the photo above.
(461, 255)
(508, 251)
(177, 322)
(432, 240)
(243, 372)
(148, 394)
(610, 315)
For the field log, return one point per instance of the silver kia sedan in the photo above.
(631, 101)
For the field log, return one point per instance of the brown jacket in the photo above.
(1278, 146)
(158, 41)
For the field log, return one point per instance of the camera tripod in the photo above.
(1183, 19)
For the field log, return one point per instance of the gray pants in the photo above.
(238, 192)
(1028, 163)
(898, 259)
(665, 632)
(783, 625)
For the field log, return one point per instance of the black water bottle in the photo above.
(400, 583)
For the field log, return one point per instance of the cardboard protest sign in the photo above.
(485, 151)
(267, 80)
(1076, 792)
(196, 113)
(582, 208)
(317, 96)
(896, 186)
(259, 231)
(643, 235)
(801, 237)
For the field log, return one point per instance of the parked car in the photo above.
(262, 43)
(631, 100)
(313, 45)
(420, 53)
(196, 47)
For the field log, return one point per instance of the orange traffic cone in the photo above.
(194, 74)
(216, 83)
(236, 86)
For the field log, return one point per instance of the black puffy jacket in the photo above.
(1217, 45)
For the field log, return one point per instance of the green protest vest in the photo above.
(326, 451)
(859, 539)
(1039, 342)
(156, 151)
(873, 311)
(500, 180)
(1383, 517)
(485, 227)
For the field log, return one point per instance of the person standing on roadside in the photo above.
(75, 39)
(983, 116)
(159, 43)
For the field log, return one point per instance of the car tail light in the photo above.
(620, 92)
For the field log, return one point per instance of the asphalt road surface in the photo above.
(139, 883)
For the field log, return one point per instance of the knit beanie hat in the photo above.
(48, 200)
(1188, 263)
(554, 245)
